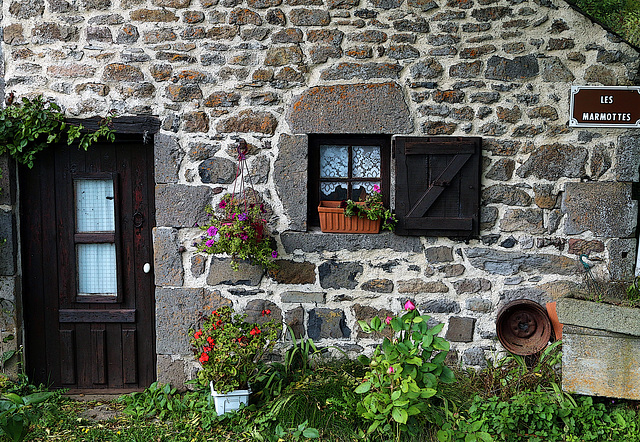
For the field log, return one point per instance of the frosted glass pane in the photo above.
(97, 269)
(361, 189)
(366, 161)
(333, 191)
(94, 206)
(334, 161)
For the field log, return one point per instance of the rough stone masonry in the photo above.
(274, 71)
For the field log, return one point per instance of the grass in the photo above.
(513, 399)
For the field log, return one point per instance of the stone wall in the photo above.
(9, 281)
(274, 71)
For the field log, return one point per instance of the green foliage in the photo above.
(157, 400)
(371, 208)
(273, 378)
(239, 229)
(621, 16)
(17, 413)
(29, 126)
(228, 348)
(301, 432)
(404, 373)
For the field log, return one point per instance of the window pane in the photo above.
(334, 161)
(333, 191)
(94, 206)
(359, 189)
(366, 161)
(97, 269)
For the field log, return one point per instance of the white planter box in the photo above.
(229, 401)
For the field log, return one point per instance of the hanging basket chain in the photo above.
(242, 149)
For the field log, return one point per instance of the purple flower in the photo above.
(212, 231)
(274, 254)
(244, 236)
(243, 216)
(222, 204)
(210, 243)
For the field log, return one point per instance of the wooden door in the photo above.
(86, 220)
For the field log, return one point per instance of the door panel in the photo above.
(89, 320)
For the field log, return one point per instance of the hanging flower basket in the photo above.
(333, 220)
(237, 225)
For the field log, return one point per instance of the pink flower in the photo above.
(387, 320)
(376, 188)
(222, 204)
(390, 370)
(210, 243)
(212, 231)
(409, 305)
(244, 236)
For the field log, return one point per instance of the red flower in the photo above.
(197, 334)
(210, 340)
(255, 331)
(266, 312)
(203, 358)
(206, 349)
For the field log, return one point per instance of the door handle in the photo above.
(146, 267)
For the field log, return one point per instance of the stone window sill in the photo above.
(317, 241)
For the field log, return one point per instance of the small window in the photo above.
(95, 238)
(346, 167)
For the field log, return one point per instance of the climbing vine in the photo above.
(30, 125)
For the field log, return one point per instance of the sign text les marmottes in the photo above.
(610, 106)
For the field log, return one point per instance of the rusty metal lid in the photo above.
(523, 327)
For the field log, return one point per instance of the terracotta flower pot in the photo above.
(333, 220)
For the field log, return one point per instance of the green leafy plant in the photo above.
(302, 432)
(28, 126)
(239, 229)
(228, 348)
(17, 413)
(403, 373)
(156, 400)
(273, 378)
(371, 208)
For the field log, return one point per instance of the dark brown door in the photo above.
(86, 220)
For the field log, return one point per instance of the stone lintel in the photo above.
(377, 108)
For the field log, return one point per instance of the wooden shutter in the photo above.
(437, 186)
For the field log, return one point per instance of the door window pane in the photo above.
(96, 269)
(94, 206)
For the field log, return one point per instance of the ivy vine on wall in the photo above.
(30, 125)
